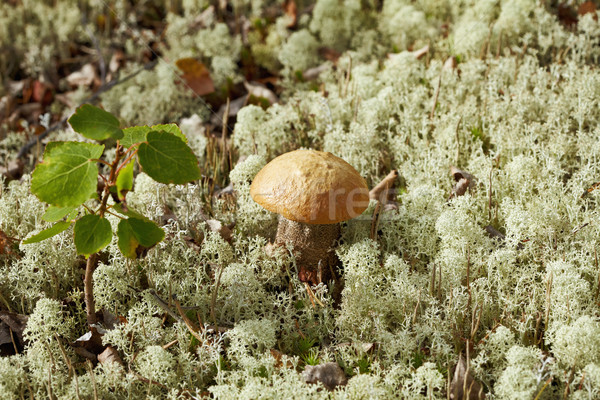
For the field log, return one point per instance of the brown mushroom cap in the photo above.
(312, 187)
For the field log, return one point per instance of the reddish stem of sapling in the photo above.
(92, 261)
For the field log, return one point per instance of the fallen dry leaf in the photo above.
(313, 73)
(234, 107)
(450, 63)
(463, 386)
(291, 10)
(464, 181)
(220, 228)
(258, 90)
(329, 374)
(196, 76)
(12, 326)
(586, 8)
(41, 93)
(11, 172)
(278, 356)
(109, 355)
(85, 77)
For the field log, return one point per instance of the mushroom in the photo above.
(312, 191)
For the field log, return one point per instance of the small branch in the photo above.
(124, 163)
(101, 161)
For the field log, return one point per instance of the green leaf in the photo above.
(67, 177)
(92, 233)
(125, 180)
(138, 134)
(133, 135)
(123, 209)
(54, 213)
(134, 232)
(127, 242)
(147, 233)
(171, 128)
(48, 233)
(95, 123)
(166, 159)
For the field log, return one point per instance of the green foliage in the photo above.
(67, 176)
(125, 180)
(167, 159)
(95, 123)
(91, 234)
(54, 213)
(48, 233)
(133, 232)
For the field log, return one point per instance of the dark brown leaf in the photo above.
(12, 326)
(196, 76)
(12, 171)
(464, 181)
(220, 228)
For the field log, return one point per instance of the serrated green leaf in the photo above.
(127, 242)
(133, 135)
(147, 233)
(48, 233)
(166, 159)
(134, 232)
(67, 177)
(138, 134)
(92, 233)
(171, 128)
(122, 209)
(125, 180)
(54, 213)
(95, 123)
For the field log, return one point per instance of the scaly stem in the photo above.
(92, 261)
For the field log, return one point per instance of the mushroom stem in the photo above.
(313, 247)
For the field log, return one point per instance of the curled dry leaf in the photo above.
(464, 181)
(86, 76)
(417, 53)
(463, 386)
(196, 76)
(586, 8)
(329, 374)
(234, 107)
(450, 63)
(11, 172)
(110, 355)
(313, 73)
(258, 90)
(291, 10)
(279, 362)
(12, 326)
(220, 228)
